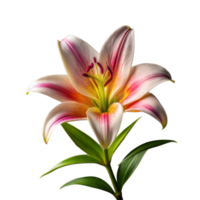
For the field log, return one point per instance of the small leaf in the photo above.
(93, 182)
(127, 168)
(119, 139)
(83, 141)
(81, 159)
(146, 146)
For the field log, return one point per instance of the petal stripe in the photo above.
(105, 124)
(63, 91)
(117, 55)
(140, 82)
(70, 46)
(61, 119)
(153, 110)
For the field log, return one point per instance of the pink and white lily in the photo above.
(101, 87)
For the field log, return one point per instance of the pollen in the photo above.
(27, 93)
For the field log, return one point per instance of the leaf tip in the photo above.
(142, 116)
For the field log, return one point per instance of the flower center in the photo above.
(99, 79)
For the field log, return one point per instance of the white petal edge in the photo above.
(57, 87)
(64, 112)
(144, 77)
(77, 55)
(117, 53)
(150, 105)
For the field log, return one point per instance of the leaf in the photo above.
(127, 168)
(119, 139)
(146, 146)
(91, 181)
(83, 141)
(80, 159)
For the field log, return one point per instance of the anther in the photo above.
(89, 67)
(100, 66)
(110, 78)
(95, 60)
(85, 74)
(90, 76)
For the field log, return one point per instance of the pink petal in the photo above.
(142, 79)
(150, 105)
(64, 112)
(117, 53)
(106, 125)
(77, 55)
(60, 88)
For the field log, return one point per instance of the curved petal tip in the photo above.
(164, 126)
(27, 93)
(173, 81)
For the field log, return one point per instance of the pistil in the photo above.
(99, 82)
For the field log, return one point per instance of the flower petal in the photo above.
(106, 125)
(150, 105)
(142, 79)
(60, 88)
(64, 112)
(117, 53)
(77, 55)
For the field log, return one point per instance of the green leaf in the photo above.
(81, 159)
(83, 141)
(127, 168)
(146, 146)
(93, 182)
(119, 139)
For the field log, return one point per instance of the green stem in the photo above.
(118, 194)
(119, 197)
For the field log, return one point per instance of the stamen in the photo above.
(89, 67)
(85, 74)
(100, 66)
(95, 60)
(90, 76)
(110, 78)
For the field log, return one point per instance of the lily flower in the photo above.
(101, 87)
